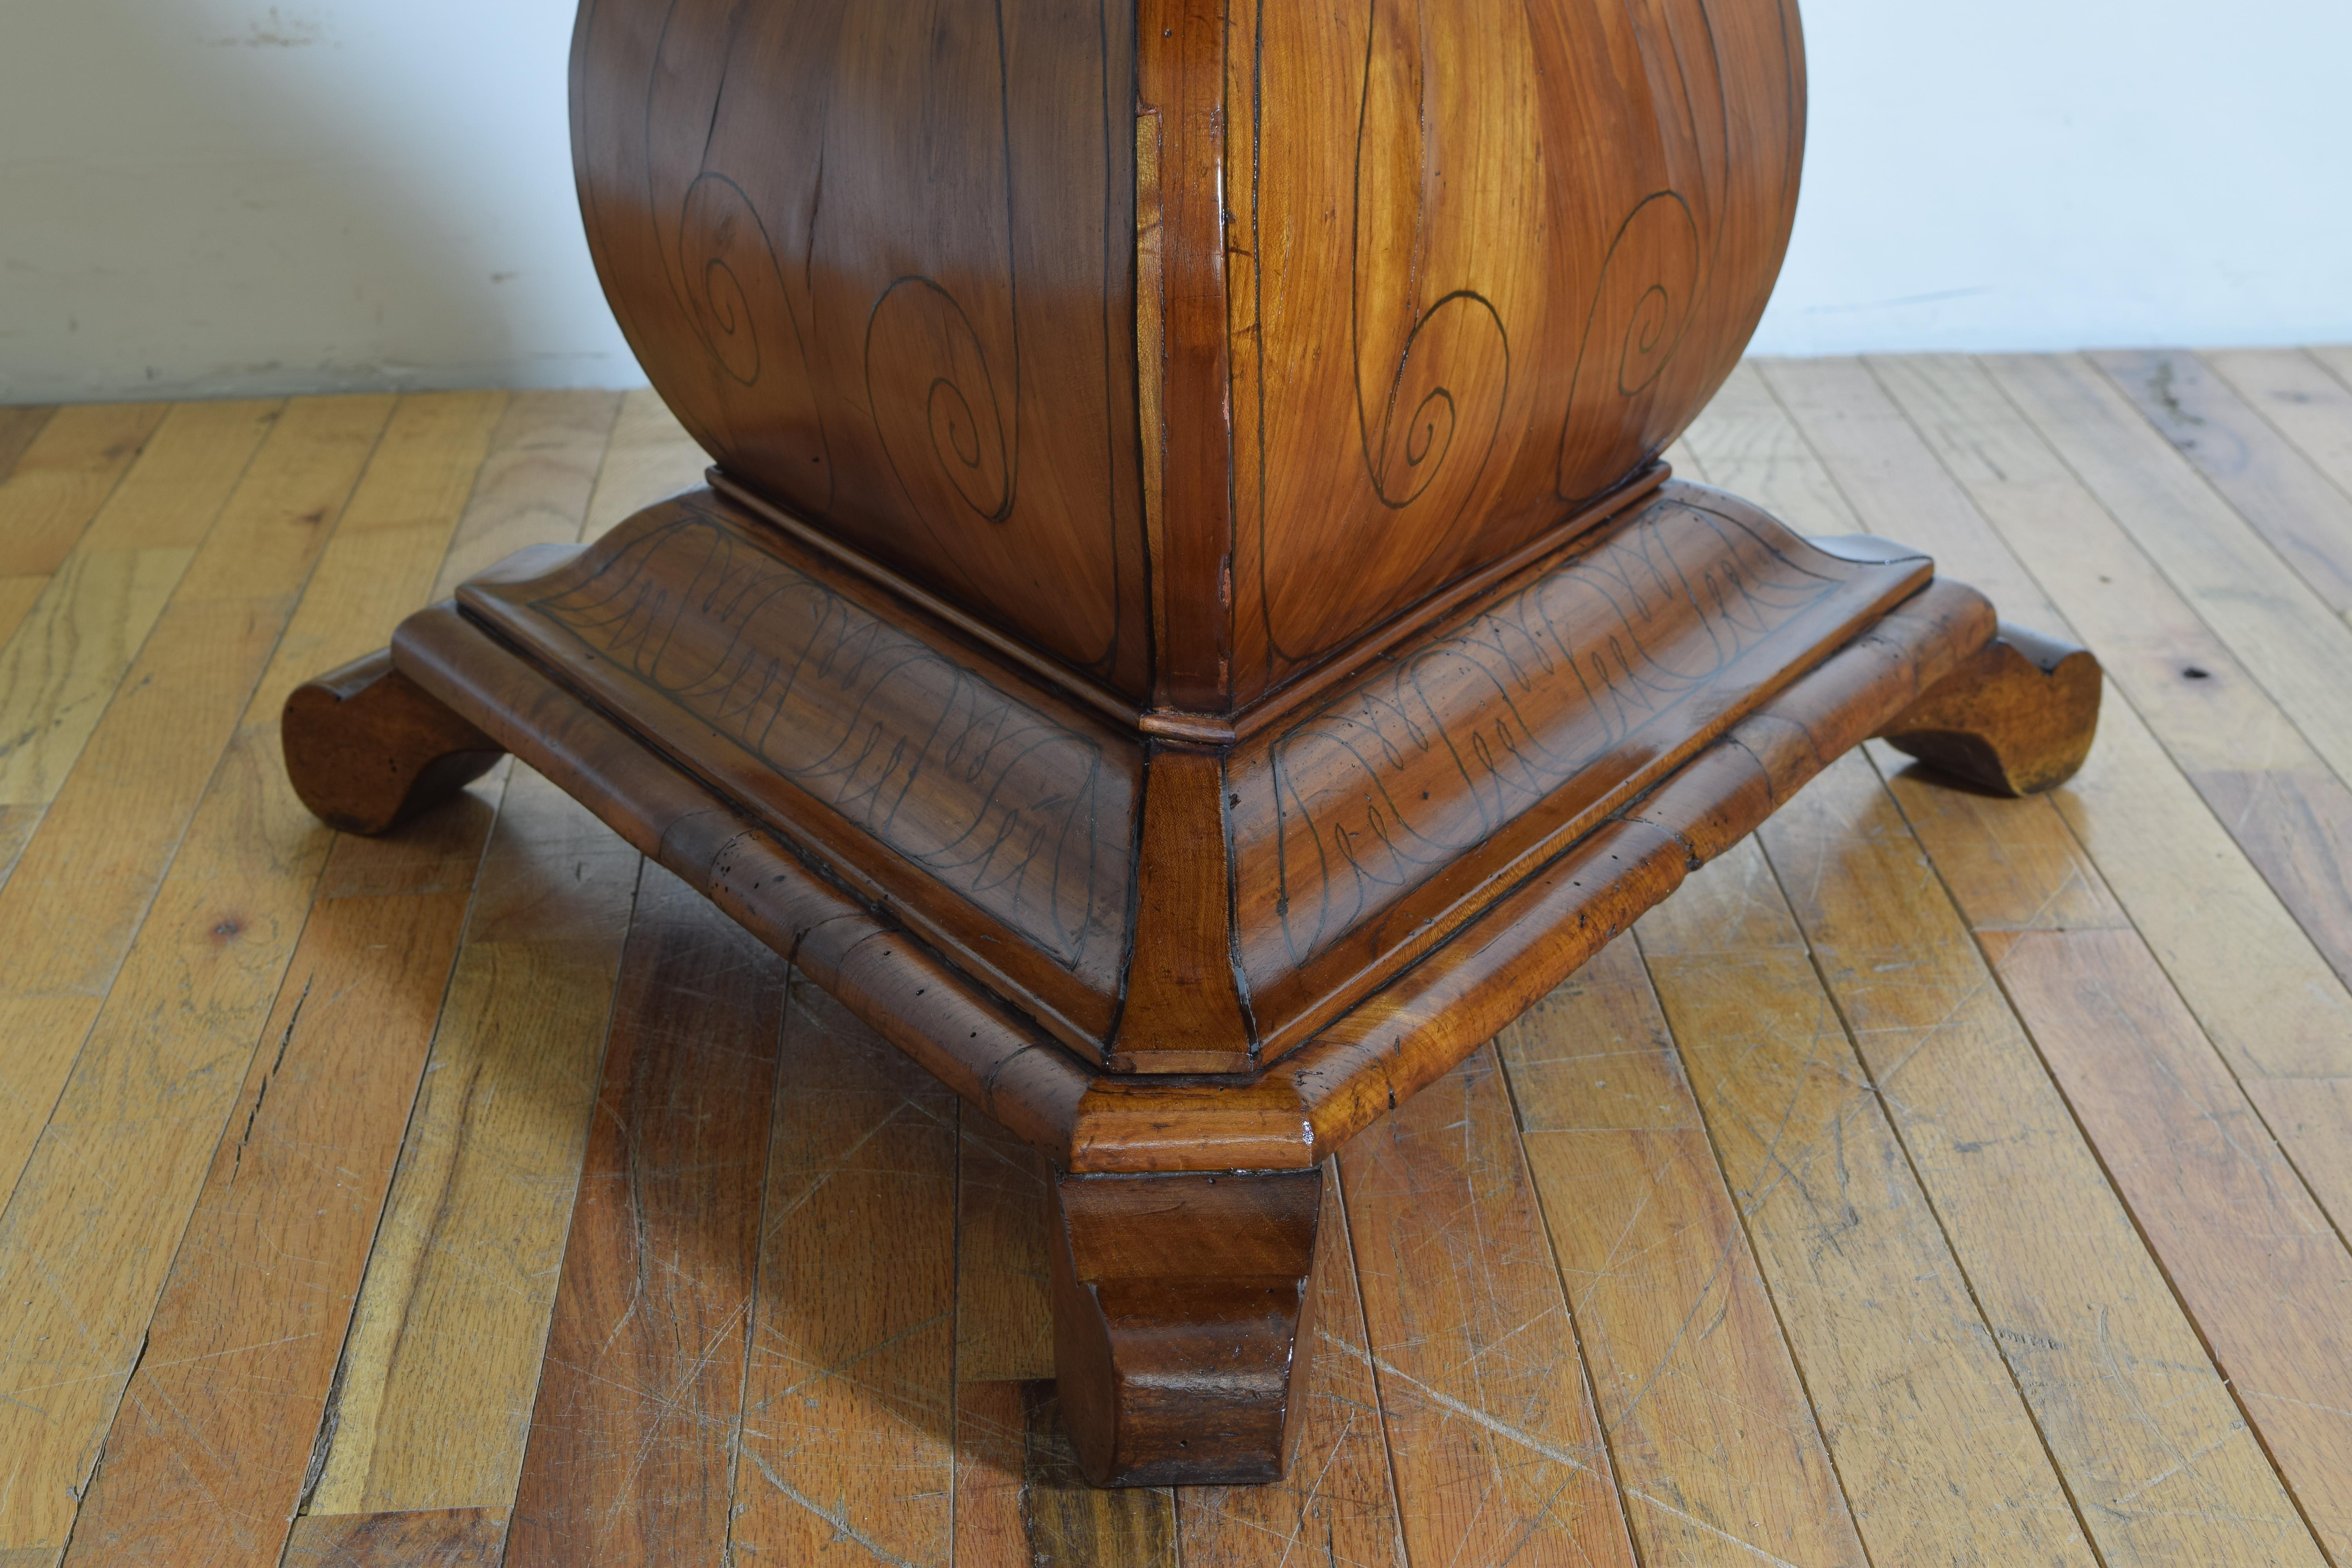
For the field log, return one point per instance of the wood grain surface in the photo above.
(1497, 1455)
(1922, 1417)
(921, 341)
(999, 822)
(448, 1537)
(2262, 611)
(1463, 317)
(2294, 391)
(2254, 974)
(629, 1459)
(1336, 292)
(2250, 1253)
(2154, 1450)
(139, 1080)
(2151, 1054)
(1712, 1434)
(2277, 489)
(443, 1358)
(1338, 1500)
(214, 1438)
(848, 1436)
(2258, 773)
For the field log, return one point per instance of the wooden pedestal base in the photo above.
(1187, 957)
(1181, 1322)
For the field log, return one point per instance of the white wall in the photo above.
(1990, 174)
(226, 196)
(202, 197)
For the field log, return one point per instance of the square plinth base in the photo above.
(1166, 987)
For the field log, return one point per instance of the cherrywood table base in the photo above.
(886, 799)
(1188, 633)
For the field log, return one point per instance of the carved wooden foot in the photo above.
(2016, 717)
(1181, 1329)
(368, 749)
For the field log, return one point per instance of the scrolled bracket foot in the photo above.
(369, 749)
(2017, 717)
(1183, 1323)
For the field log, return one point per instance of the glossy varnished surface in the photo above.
(1001, 822)
(1117, 326)
(1370, 826)
(2032, 1229)
(879, 258)
(1487, 263)
(1000, 818)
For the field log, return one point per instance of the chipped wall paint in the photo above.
(200, 198)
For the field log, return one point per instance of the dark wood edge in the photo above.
(1295, 1009)
(2017, 719)
(1288, 1115)
(1184, 1321)
(942, 1018)
(367, 749)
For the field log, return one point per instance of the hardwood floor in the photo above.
(1935, 1179)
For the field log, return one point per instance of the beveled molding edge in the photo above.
(1301, 687)
(1289, 1114)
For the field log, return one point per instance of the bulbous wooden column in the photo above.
(1188, 633)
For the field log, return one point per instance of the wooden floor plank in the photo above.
(2293, 390)
(98, 1213)
(57, 672)
(1021, 1500)
(534, 487)
(1004, 1320)
(384, 559)
(107, 1188)
(92, 867)
(631, 1456)
(63, 476)
(2312, 1119)
(18, 595)
(649, 458)
(2284, 635)
(66, 477)
(16, 826)
(943, 1443)
(1744, 443)
(1938, 1456)
(1491, 1439)
(2152, 1447)
(848, 1446)
(443, 1362)
(1714, 1441)
(68, 629)
(2214, 917)
(206, 1460)
(452, 1324)
(2257, 471)
(2275, 796)
(2254, 1258)
(1338, 1506)
(71, 908)
(20, 426)
(2265, 992)
(1857, 438)
(451, 1538)
(2337, 360)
